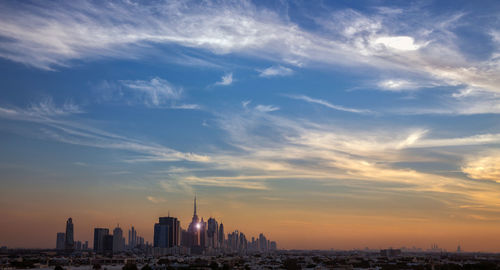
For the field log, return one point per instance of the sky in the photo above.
(322, 124)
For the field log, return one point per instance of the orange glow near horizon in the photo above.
(325, 228)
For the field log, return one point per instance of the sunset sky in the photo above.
(322, 124)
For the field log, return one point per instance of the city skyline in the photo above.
(322, 124)
(131, 242)
(170, 238)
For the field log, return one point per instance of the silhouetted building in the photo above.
(99, 234)
(262, 243)
(132, 238)
(69, 243)
(167, 232)
(233, 242)
(118, 240)
(185, 238)
(78, 245)
(61, 239)
(107, 248)
(273, 246)
(390, 252)
(202, 232)
(193, 230)
(221, 236)
(212, 233)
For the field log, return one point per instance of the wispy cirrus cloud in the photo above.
(155, 199)
(401, 43)
(51, 35)
(484, 166)
(58, 124)
(397, 85)
(275, 71)
(40, 111)
(227, 79)
(326, 104)
(266, 108)
(154, 92)
(276, 148)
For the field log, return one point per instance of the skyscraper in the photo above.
(99, 234)
(61, 239)
(221, 236)
(117, 240)
(69, 243)
(262, 243)
(212, 233)
(78, 245)
(107, 246)
(273, 246)
(202, 232)
(166, 232)
(132, 238)
(194, 229)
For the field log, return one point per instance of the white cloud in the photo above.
(154, 92)
(41, 111)
(186, 107)
(397, 85)
(224, 182)
(49, 35)
(403, 43)
(227, 79)
(326, 104)
(485, 166)
(266, 108)
(275, 71)
(479, 139)
(467, 101)
(245, 103)
(279, 148)
(46, 107)
(156, 199)
(58, 126)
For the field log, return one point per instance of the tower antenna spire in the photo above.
(195, 204)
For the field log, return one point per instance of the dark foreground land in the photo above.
(49, 259)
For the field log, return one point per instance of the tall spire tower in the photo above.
(195, 215)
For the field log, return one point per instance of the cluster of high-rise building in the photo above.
(106, 243)
(66, 242)
(204, 237)
(200, 237)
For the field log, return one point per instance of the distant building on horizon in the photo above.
(273, 246)
(78, 245)
(118, 240)
(167, 232)
(132, 238)
(61, 240)
(222, 237)
(69, 243)
(107, 245)
(212, 233)
(99, 234)
(390, 252)
(193, 230)
(263, 247)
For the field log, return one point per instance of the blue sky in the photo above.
(283, 108)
